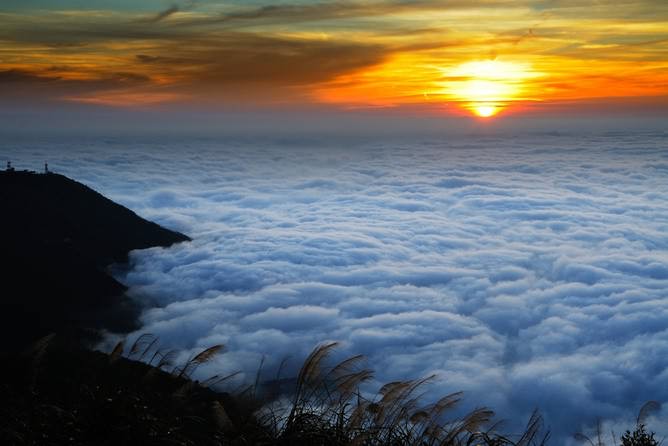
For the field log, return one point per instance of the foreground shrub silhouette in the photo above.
(639, 437)
(57, 395)
(328, 408)
(327, 401)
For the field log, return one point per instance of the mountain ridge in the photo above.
(59, 237)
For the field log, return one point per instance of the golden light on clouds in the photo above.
(481, 58)
(481, 87)
(487, 87)
(128, 99)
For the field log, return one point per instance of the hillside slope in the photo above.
(58, 236)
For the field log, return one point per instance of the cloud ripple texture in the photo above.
(528, 272)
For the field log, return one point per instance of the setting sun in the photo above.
(465, 194)
(485, 111)
(486, 87)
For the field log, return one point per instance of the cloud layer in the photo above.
(528, 272)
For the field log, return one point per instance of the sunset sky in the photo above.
(473, 58)
(469, 188)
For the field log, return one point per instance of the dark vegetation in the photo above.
(639, 437)
(58, 238)
(53, 394)
(56, 395)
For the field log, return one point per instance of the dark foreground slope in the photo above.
(55, 396)
(58, 236)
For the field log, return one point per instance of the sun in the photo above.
(485, 111)
(486, 87)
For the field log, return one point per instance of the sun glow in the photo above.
(486, 87)
(485, 111)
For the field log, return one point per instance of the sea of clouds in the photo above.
(527, 271)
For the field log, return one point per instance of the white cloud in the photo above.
(529, 272)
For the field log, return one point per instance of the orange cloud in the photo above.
(482, 56)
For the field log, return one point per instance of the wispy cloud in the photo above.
(164, 14)
(350, 53)
(171, 11)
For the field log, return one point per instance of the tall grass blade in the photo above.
(117, 352)
(646, 410)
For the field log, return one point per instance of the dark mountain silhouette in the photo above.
(58, 238)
